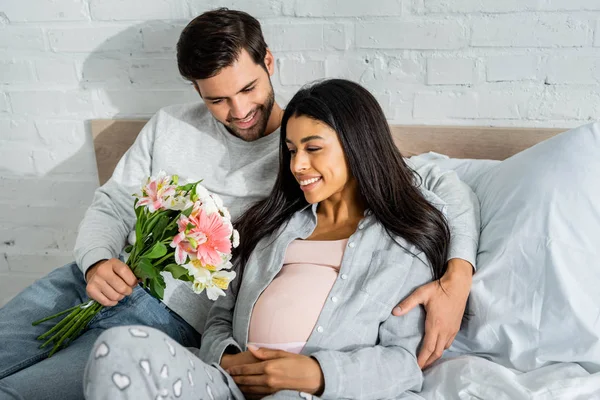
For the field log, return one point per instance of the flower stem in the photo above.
(169, 254)
(76, 326)
(69, 329)
(61, 324)
(55, 315)
(87, 320)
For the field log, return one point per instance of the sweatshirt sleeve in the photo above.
(217, 338)
(107, 222)
(462, 211)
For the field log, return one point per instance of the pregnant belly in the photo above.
(287, 310)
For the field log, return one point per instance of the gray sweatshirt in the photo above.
(187, 140)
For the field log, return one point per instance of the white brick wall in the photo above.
(63, 62)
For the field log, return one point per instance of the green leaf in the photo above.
(157, 287)
(139, 237)
(157, 251)
(152, 220)
(178, 272)
(145, 269)
(188, 187)
(128, 249)
(159, 229)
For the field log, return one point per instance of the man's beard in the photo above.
(259, 129)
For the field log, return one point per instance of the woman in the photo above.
(322, 262)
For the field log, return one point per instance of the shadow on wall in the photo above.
(131, 75)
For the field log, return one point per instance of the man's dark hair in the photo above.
(215, 39)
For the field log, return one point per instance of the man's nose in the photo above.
(239, 108)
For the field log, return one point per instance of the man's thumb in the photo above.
(406, 305)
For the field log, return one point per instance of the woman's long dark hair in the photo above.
(388, 186)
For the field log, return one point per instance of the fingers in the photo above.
(439, 350)
(449, 342)
(266, 354)
(417, 297)
(247, 369)
(250, 380)
(427, 349)
(107, 285)
(95, 293)
(103, 294)
(125, 273)
(229, 360)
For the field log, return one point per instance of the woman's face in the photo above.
(317, 159)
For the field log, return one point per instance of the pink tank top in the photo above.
(287, 310)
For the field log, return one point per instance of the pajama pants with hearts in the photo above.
(138, 362)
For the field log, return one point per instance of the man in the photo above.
(231, 142)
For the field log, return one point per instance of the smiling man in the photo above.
(230, 140)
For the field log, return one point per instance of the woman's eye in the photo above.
(292, 151)
(313, 149)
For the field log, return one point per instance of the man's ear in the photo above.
(270, 62)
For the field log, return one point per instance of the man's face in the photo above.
(241, 96)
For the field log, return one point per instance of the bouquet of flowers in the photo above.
(180, 229)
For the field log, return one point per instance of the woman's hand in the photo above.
(445, 307)
(278, 370)
(229, 360)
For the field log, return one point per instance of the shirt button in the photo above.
(351, 244)
(320, 329)
(361, 226)
(344, 276)
(334, 299)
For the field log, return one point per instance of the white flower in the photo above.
(215, 283)
(226, 257)
(225, 265)
(179, 203)
(131, 238)
(225, 213)
(209, 206)
(217, 200)
(236, 238)
(202, 192)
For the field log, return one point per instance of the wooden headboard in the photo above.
(113, 137)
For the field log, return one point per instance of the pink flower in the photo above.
(156, 192)
(205, 236)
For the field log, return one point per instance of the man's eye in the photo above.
(248, 89)
(216, 101)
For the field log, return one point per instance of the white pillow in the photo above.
(536, 294)
(468, 170)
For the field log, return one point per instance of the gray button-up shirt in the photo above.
(363, 350)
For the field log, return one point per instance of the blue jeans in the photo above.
(25, 370)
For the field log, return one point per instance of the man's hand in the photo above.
(445, 307)
(109, 281)
(278, 370)
(230, 360)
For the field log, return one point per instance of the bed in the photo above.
(535, 329)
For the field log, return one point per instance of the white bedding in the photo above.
(472, 377)
(534, 332)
